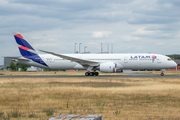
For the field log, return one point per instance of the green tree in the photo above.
(174, 56)
(22, 66)
(12, 66)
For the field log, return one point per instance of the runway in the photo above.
(100, 76)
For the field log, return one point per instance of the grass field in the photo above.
(114, 98)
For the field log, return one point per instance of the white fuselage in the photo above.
(127, 61)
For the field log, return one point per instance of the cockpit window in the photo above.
(169, 59)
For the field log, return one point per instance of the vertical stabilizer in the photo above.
(26, 49)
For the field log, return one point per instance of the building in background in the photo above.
(32, 69)
(7, 62)
(1, 67)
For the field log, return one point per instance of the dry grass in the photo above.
(118, 98)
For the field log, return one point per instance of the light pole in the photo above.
(85, 49)
(75, 47)
(108, 48)
(79, 47)
(112, 48)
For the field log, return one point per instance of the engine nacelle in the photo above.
(109, 67)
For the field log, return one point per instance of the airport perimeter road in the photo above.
(100, 76)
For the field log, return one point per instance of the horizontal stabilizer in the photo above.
(17, 58)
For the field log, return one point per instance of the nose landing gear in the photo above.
(162, 70)
(162, 74)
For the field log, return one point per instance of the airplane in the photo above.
(107, 63)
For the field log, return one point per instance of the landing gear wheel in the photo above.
(91, 73)
(162, 74)
(96, 73)
(87, 74)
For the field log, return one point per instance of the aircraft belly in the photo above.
(79, 67)
(62, 65)
(151, 65)
(142, 65)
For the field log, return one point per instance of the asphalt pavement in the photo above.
(100, 76)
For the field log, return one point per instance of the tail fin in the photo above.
(25, 48)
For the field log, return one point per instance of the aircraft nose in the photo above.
(171, 64)
(174, 64)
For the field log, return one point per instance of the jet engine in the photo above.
(110, 67)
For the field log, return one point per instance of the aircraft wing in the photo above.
(17, 58)
(81, 61)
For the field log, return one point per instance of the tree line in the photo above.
(174, 56)
(15, 67)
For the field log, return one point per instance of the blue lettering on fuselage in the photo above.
(140, 57)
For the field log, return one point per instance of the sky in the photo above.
(132, 26)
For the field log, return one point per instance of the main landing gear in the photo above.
(91, 74)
